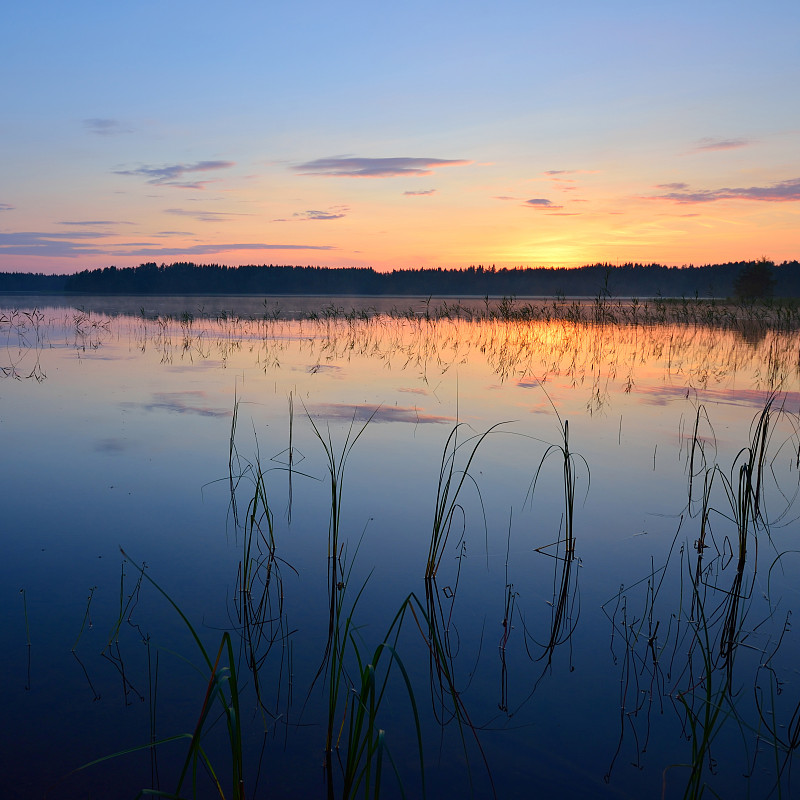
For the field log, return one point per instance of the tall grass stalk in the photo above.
(360, 735)
(86, 617)
(27, 637)
(451, 481)
(222, 691)
(358, 730)
(569, 462)
(705, 704)
(449, 698)
(259, 598)
(336, 470)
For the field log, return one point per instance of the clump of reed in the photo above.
(221, 700)
(694, 657)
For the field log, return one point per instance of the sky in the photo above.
(415, 134)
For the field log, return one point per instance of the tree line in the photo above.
(742, 278)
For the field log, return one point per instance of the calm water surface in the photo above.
(650, 652)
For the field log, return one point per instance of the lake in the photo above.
(482, 547)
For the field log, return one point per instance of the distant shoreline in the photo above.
(731, 279)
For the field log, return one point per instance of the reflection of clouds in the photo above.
(180, 403)
(655, 400)
(544, 406)
(110, 445)
(661, 395)
(362, 412)
(207, 365)
(313, 369)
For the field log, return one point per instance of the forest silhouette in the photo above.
(743, 279)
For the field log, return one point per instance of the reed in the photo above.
(336, 463)
(570, 461)
(450, 483)
(565, 606)
(711, 630)
(706, 703)
(86, 617)
(222, 693)
(27, 637)
(260, 612)
(360, 736)
(447, 698)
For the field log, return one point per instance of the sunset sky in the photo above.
(398, 135)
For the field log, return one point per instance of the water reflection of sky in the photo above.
(116, 431)
(180, 403)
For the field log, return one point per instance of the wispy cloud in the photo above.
(205, 216)
(35, 236)
(6, 207)
(542, 204)
(555, 173)
(87, 222)
(710, 143)
(337, 213)
(105, 127)
(137, 249)
(423, 193)
(172, 174)
(81, 243)
(781, 192)
(363, 412)
(673, 186)
(55, 245)
(351, 167)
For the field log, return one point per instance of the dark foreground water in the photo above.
(615, 577)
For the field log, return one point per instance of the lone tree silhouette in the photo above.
(755, 280)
